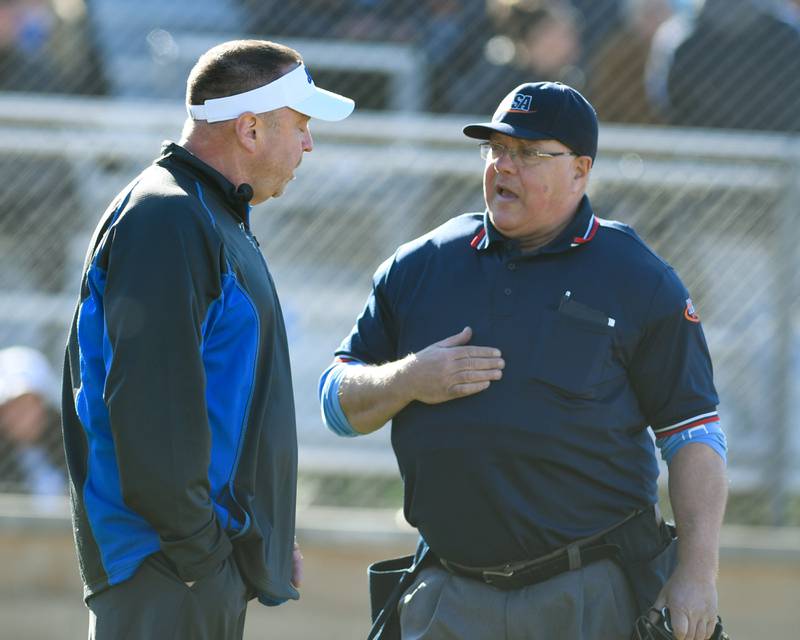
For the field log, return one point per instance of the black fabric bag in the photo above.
(648, 554)
(388, 580)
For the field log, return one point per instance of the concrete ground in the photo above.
(40, 598)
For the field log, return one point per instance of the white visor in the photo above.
(295, 90)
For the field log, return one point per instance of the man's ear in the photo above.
(246, 129)
(582, 166)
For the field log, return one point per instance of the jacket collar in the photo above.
(173, 154)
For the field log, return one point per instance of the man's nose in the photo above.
(504, 164)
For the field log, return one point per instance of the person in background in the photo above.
(733, 66)
(533, 40)
(31, 451)
(47, 47)
(615, 74)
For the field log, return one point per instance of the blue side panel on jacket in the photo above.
(113, 525)
(232, 327)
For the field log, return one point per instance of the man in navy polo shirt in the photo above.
(521, 355)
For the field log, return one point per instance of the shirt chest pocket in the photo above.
(572, 354)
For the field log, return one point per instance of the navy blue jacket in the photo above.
(178, 410)
(600, 341)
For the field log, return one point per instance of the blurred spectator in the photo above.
(737, 67)
(616, 73)
(662, 49)
(31, 450)
(300, 18)
(379, 21)
(25, 28)
(547, 40)
(447, 30)
(467, 72)
(372, 20)
(534, 40)
(375, 20)
(442, 30)
(599, 19)
(45, 47)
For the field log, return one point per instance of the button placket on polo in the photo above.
(507, 288)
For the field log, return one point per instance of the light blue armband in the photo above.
(710, 434)
(330, 405)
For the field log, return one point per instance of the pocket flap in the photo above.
(570, 352)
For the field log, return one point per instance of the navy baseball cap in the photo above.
(544, 111)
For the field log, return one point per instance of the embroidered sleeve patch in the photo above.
(689, 312)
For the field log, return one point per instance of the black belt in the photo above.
(515, 575)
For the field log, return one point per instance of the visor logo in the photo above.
(521, 102)
(308, 75)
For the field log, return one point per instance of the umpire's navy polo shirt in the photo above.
(600, 340)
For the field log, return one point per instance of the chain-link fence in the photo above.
(718, 63)
(719, 205)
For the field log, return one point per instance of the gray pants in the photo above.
(592, 603)
(156, 603)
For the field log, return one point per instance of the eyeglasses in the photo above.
(528, 156)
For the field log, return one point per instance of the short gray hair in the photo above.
(238, 66)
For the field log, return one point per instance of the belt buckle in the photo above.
(490, 575)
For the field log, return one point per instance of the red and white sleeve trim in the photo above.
(684, 425)
(347, 360)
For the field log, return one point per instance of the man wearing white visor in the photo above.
(178, 411)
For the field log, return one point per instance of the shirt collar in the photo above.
(581, 230)
(174, 154)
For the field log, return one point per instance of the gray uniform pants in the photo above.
(591, 603)
(156, 603)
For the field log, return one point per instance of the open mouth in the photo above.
(505, 193)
